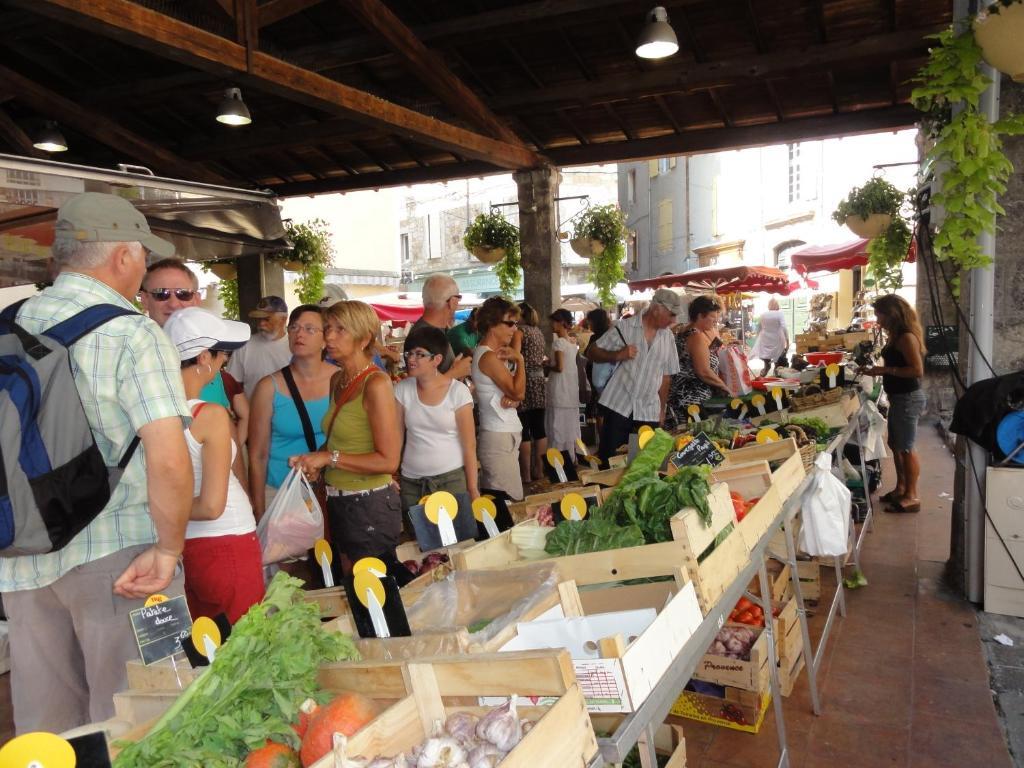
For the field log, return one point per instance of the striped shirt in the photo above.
(128, 375)
(633, 388)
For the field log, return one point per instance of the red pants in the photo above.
(223, 574)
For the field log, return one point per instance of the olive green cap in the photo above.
(96, 217)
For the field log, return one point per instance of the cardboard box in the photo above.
(737, 709)
(1004, 590)
(749, 675)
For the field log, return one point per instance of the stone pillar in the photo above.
(257, 277)
(538, 240)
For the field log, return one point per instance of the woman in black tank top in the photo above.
(901, 379)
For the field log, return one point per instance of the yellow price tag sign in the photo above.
(776, 393)
(735, 403)
(643, 438)
(364, 582)
(645, 429)
(573, 506)
(37, 750)
(369, 564)
(438, 501)
(202, 628)
(484, 506)
(767, 435)
(155, 600)
(582, 448)
(757, 401)
(683, 441)
(322, 549)
(555, 458)
(832, 369)
(693, 409)
(423, 499)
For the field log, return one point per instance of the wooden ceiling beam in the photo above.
(164, 36)
(689, 78)
(12, 133)
(104, 130)
(429, 68)
(271, 138)
(397, 178)
(278, 10)
(755, 28)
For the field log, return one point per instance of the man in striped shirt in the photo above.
(69, 629)
(646, 355)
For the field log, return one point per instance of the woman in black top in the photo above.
(903, 355)
(697, 344)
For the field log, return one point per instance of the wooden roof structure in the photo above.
(360, 94)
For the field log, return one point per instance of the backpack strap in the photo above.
(68, 331)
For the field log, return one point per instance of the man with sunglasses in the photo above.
(441, 299)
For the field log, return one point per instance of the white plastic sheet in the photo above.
(293, 522)
(825, 508)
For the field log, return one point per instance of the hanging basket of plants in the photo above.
(490, 237)
(225, 270)
(293, 265)
(587, 247)
(999, 32)
(868, 211)
(600, 235)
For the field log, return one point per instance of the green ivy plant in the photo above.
(876, 196)
(227, 292)
(967, 150)
(606, 224)
(311, 245)
(493, 230)
(887, 252)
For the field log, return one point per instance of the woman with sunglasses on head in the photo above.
(363, 440)
(222, 557)
(498, 392)
(435, 415)
(281, 426)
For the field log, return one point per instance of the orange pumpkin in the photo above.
(345, 714)
(307, 709)
(272, 755)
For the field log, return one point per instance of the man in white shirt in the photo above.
(266, 351)
(637, 392)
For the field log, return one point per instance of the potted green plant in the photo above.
(999, 32)
(310, 255)
(491, 237)
(225, 270)
(869, 210)
(887, 252)
(600, 235)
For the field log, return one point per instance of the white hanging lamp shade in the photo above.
(657, 39)
(232, 110)
(50, 139)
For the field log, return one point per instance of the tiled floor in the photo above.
(903, 682)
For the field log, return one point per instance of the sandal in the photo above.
(895, 506)
(890, 497)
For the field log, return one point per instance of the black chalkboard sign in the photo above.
(394, 610)
(90, 750)
(698, 451)
(160, 628)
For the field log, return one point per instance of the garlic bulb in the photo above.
(462, 726)
(441, 752)
(501, 726)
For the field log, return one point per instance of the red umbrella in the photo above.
(736, 279)
(831, 258)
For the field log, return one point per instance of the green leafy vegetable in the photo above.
(252, 690)
(596, 532)
(820, 428)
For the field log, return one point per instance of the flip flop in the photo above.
(895, 506)
(890, 497)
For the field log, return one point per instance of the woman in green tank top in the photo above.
(363, 440)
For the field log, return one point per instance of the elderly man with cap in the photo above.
(266, 351)
(637, 391)
(70, 633)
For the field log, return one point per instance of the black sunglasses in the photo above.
(163, 294)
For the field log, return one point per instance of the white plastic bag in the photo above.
(825, 509)
(872, 429)
(734, 370)
(293, 522)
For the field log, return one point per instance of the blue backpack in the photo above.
(53, 479)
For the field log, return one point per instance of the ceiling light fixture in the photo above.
(232, 110)
(50, 139)
(658, 39)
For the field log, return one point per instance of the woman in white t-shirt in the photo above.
(562, 418)
(222, 558)
(435, 414)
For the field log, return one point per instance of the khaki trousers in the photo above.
(69, 644)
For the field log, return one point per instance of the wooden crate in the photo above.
(669, 738)
(789, 673)
(527, 508)
(161, 675)
(737, 709)
(607, 478)
(786, 477)
(782, 625)
(749, 675)
(836, 415)
(432, 690)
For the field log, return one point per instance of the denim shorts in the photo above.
(904, 411)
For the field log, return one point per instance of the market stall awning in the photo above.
(398, 313)
(831, 258)
(736, 279)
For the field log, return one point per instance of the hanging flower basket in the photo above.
(870, 227)
(587, 247)
(1000, 35)
(293, 265)
(224, 270)
(487, 255)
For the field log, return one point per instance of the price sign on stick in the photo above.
(573, 507)
(767, 435)
(38, 750)
(484, 511)
(832, 371)
(581, 449)
(777, 397)
(324, 556)
(372, 564)
(159, 627)
(758, 402)
(739, 406)
(370, 592)
(694, 410)
(206, 637)
(440, 509)
(557, 461)
(643, 438)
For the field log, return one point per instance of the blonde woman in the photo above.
(364, 441)
(903, 355)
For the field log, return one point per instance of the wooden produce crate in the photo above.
(669, 738)
(527, 508)
(606, 478)
(753, 480)
(837, 415)
(782, 625)
(161, 675)
(750, 675)
(789, 469)
(425, 692)
(789, 673)
(809, 573)
(737, 709)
